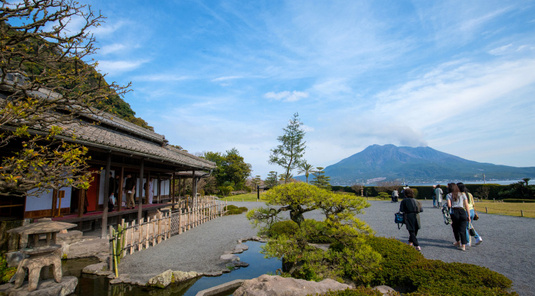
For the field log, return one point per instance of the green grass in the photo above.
(243, 197)
(506, 208)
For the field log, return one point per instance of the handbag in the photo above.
(472, 231)
(476, 216)
(399, 219)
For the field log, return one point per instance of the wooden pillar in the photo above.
(147, 189)
(194, 187)
(81, 200)
(107, 175)
(54, 203)
(159, 182)
(172, 190)
(140, 202)
(120, 192)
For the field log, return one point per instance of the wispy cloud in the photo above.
(286, 96)
(161, 78)
(116, 67)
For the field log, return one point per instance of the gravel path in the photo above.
(508, 244)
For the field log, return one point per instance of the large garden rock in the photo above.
(162, 280)
(267, 285)
(180, 276)
(97, 269)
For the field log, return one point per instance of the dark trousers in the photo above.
(412, 237)
(459, 220)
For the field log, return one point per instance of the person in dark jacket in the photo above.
(111, 193)
(411, 209)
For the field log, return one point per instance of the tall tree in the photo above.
(289, 153)
(272, 179)
(320, 179)
(306, 168)
(45, 83)
(231, 169)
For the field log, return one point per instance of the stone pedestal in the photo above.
(67, 286)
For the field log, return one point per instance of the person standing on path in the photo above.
(130, 187)
(472, 213)
(457, 202)
(434, 196)
(411, 209)
(438, 196)
(395, 195)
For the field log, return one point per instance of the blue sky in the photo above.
(458, 76)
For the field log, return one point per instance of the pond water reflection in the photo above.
(97, 285)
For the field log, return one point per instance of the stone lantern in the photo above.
(38, 245)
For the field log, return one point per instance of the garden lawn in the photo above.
(506, 208)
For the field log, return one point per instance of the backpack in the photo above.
(399, 219)
(446, 214)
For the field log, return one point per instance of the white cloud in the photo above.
(115, 67)
(226, 78)
(112, 48)
(108, 29)
(286, 96)
(160, 78)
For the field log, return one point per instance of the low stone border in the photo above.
(220, 289)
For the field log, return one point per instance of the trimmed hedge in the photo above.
(358, 291)
(407, 271)
(234, 210)
(514, 200)
(427, 191)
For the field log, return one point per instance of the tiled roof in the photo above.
(121, 141)
(115, 134)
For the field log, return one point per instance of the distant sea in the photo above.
(499, 182)
(444, 183)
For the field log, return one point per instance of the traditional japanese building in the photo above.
(117, 148)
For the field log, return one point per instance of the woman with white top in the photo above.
(458, 204)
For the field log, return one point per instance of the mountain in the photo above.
(416, 165)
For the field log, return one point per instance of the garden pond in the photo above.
(98, 285)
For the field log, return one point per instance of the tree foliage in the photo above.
(231, 170)
(347, 257)
(320, 179)
(46, 82)
(271, 180)
(306, 168)
(289, 153)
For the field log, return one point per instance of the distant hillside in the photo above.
(416, 165)
(114, 104)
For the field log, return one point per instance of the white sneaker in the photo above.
(478, 241)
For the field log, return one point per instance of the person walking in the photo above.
(395, 195)
(130, 187)
(434, 196)
(472, 213)
(458, 203)
(438, 195)
(411, 209)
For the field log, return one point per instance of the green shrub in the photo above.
(407, 271)
(435, 277)
(317, 232)
(396, 257)
(287, 227)
(234, 210)
(6, 273)
(358, 291)
(383, 195)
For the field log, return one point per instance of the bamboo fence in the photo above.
(131, 237)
